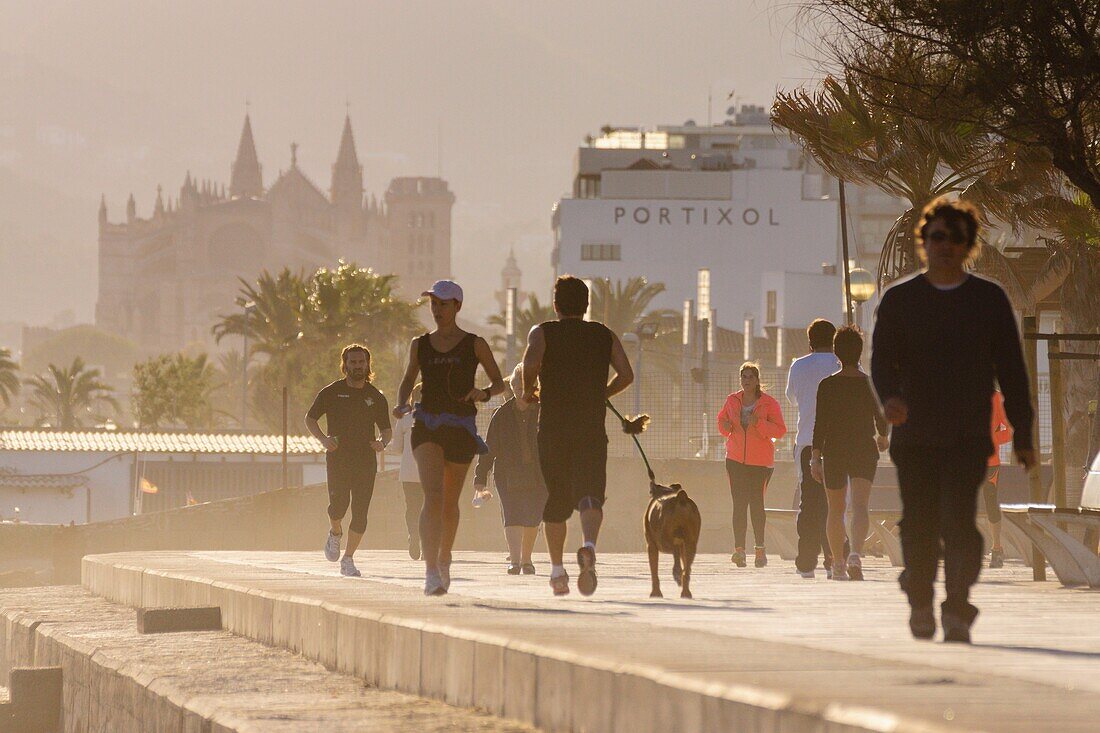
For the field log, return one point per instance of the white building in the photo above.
(737, 199)
(58, 476)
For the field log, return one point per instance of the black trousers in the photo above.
(351, 474)
(812, 513)
(747, 484)
(414, 502)
(939, 499)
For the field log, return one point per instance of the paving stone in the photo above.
(168, 620)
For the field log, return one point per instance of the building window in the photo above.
(588, 187)
(773, 307)
(601, 252)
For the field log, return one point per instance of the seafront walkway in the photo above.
(757, 649)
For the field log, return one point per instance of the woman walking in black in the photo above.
(845, 450)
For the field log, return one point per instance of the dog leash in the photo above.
(628, 424)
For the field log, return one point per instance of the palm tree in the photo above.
(277, 317)
(858, 141)
(622, 308)
(9, 382)
(352, 302)
(66, 397)
(526, 318)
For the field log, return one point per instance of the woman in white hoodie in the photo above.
(409, 477)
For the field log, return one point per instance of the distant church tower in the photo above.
(346, 193)
(245, 179)
(510, 277)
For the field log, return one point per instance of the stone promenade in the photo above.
(758, 649)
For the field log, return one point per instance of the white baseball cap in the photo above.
(445, 290)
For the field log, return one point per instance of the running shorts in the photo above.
(458, 444)
(574, 467)
(839, 468)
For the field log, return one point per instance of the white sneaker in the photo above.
(480, 497)
(839, 573)
(808, 574)
(433, 585)
(348, 569)
(332, 546)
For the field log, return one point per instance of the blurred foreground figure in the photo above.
(355, 410)
(565, 369)
(941, 338)
(444, 433)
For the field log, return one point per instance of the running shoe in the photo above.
(996, 558)
(560, 584)
(855, 567)
(414, 548)
(839, 573)
(807, 574)
(586, 561)
(332, 547)
(761, 558)
(348, 569)
(955, 629)
(528, 568)
(480, 497)
(514, 569)
(922, 622)
(433, 584)
(738, 557)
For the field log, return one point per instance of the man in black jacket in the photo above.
(941, 338)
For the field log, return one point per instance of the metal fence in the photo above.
(684, 414)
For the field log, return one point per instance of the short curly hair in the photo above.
(960, 217)
(848, 345)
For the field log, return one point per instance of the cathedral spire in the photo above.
(246, 178)
(347, 174)
(102, 209)
(131, 209)
(158, 207)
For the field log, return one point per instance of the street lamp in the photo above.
(862, 288)
(510, 328)
(249, 309)
(703, 312)
(645, 331)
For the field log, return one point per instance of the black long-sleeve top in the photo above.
(847, 415)
(940, 350)
(513, 449)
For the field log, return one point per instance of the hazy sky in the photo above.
(113, 97)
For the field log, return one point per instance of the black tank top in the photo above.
(447, 377)
(573, 380)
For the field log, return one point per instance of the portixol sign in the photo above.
(695, 216)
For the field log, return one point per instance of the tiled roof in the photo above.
(11, 479)
(118, 441)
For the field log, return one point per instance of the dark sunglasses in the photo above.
(942, 236)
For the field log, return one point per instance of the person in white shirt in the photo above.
(409, 477)
(813, 506)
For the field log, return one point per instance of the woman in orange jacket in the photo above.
(751, 421)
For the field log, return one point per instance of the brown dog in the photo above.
(671, 524)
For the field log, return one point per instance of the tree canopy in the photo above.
(297, 324)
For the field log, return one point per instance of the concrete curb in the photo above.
(553, 689)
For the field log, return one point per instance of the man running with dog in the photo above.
(565, 368)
